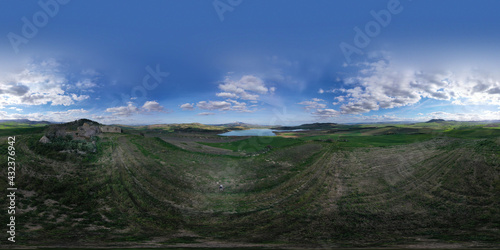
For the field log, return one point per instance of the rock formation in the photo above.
(87, 130)
(44, 139)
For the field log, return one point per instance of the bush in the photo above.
(64, 148)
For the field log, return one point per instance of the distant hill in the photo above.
(198, 127)
(435, 120)
(239, 125)
(309, 126)
(186, 127)
(74, 124)
(25, 121)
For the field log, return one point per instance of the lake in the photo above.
(250, 132)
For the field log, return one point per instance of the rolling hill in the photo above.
(377, 187)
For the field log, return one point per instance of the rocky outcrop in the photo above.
(87, 130)
(44, 139)
(82, 129)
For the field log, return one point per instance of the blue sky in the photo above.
(255, 61)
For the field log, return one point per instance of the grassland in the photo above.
(344, 186)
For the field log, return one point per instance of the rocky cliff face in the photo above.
(87, 130)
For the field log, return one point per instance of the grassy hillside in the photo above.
(21, 127)
(381, 186)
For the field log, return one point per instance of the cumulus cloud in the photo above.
(187, 106)
(130, 109)
(237, 94)
(39, 84)
(79, 97)
(495, 90)
(85, 85)
(228, 105)
(54, 116)
(318, 108)
(152, 106)
(313, 104)
(14, 89)
(247, 88)
(326, 113)
(214, 105)
(16, 109)
(206, 113)
(382, 85)
(240, 106)
(476, 116)
(123, 110)
(227, 95)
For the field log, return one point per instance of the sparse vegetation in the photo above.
(342, 186)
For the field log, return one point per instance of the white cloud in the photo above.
(227, 95)
(123, 110)
(152, 106)
(214, 105)
(313, 104)
(319, 109)
(382, 85)
(206, 113)
(247, 88)
(130, 109)
(228, 105)
(38, 84)
(44, 98)
(79, 98)
(54, 116)
(85, 85)
(321, 91)
(16, 109)
(325, 113)
(474, 116)
(240, 107)
(13, 89)
(187, 106)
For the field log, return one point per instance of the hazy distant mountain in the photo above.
(26, 121)
(239, 124)
(309, 126)
(435, 120)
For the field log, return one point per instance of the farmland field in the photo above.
(351, 186)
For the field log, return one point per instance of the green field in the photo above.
(7, 130)
(346, 186)
(256, 144)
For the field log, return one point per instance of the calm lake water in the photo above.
(250, 132)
